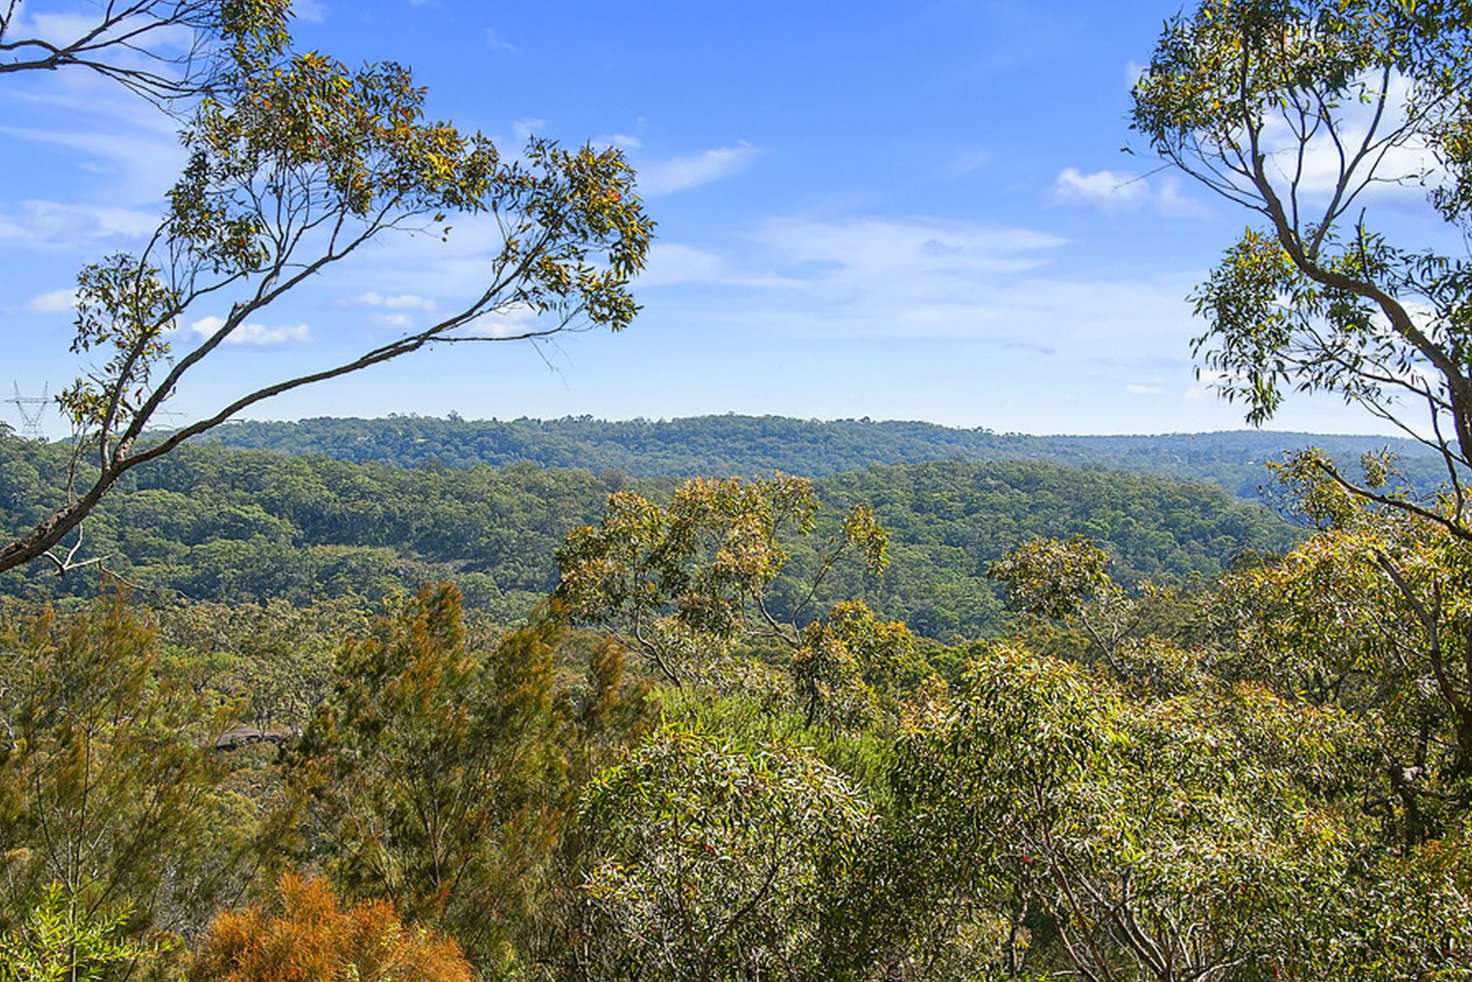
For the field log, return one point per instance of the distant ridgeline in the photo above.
(213, 522)
(758, 445)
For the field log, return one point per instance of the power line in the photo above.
(32, 411)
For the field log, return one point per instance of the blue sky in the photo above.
(901, 211)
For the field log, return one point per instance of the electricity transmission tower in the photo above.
(32, 411)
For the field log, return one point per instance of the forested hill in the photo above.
(755, 445)
(217, 523)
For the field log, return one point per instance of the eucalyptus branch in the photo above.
(1455, 527)
(130, 44)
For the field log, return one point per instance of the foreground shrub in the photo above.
(311, 938)
(62, 941)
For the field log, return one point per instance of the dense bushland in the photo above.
(215, 524)
(656, 773)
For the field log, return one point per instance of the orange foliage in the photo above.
(313, 939)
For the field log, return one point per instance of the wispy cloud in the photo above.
(970, 161)
(53, 224)
(675, 264)
(131, 150)
(873, 249)
(137, 166)
(861, 256)
(675, 174)
(913, 279)
(496, 43)
(418, 273)
(310, 11)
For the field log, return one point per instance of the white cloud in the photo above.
(394, 309)
(683, 173)
(395, 301)
(1145, 388)
(623, 140)
(504, 323)
(1205, 386)
(1107, 190)
(1171, 200)
(1403, 170)
(525, 129)
(1404, 174)
(53, 302)
(53, 28)
(1115, 192)
(261, 336)
(251, 335)
(310, 11)
(65, 28)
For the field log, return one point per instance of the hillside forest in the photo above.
(741, 698)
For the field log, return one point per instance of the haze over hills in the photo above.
(758, 445)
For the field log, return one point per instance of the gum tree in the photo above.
(1307, 112)
(302, 166)
(1200, 831)
(1372, 616)
(714, 861)
(686, 583)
